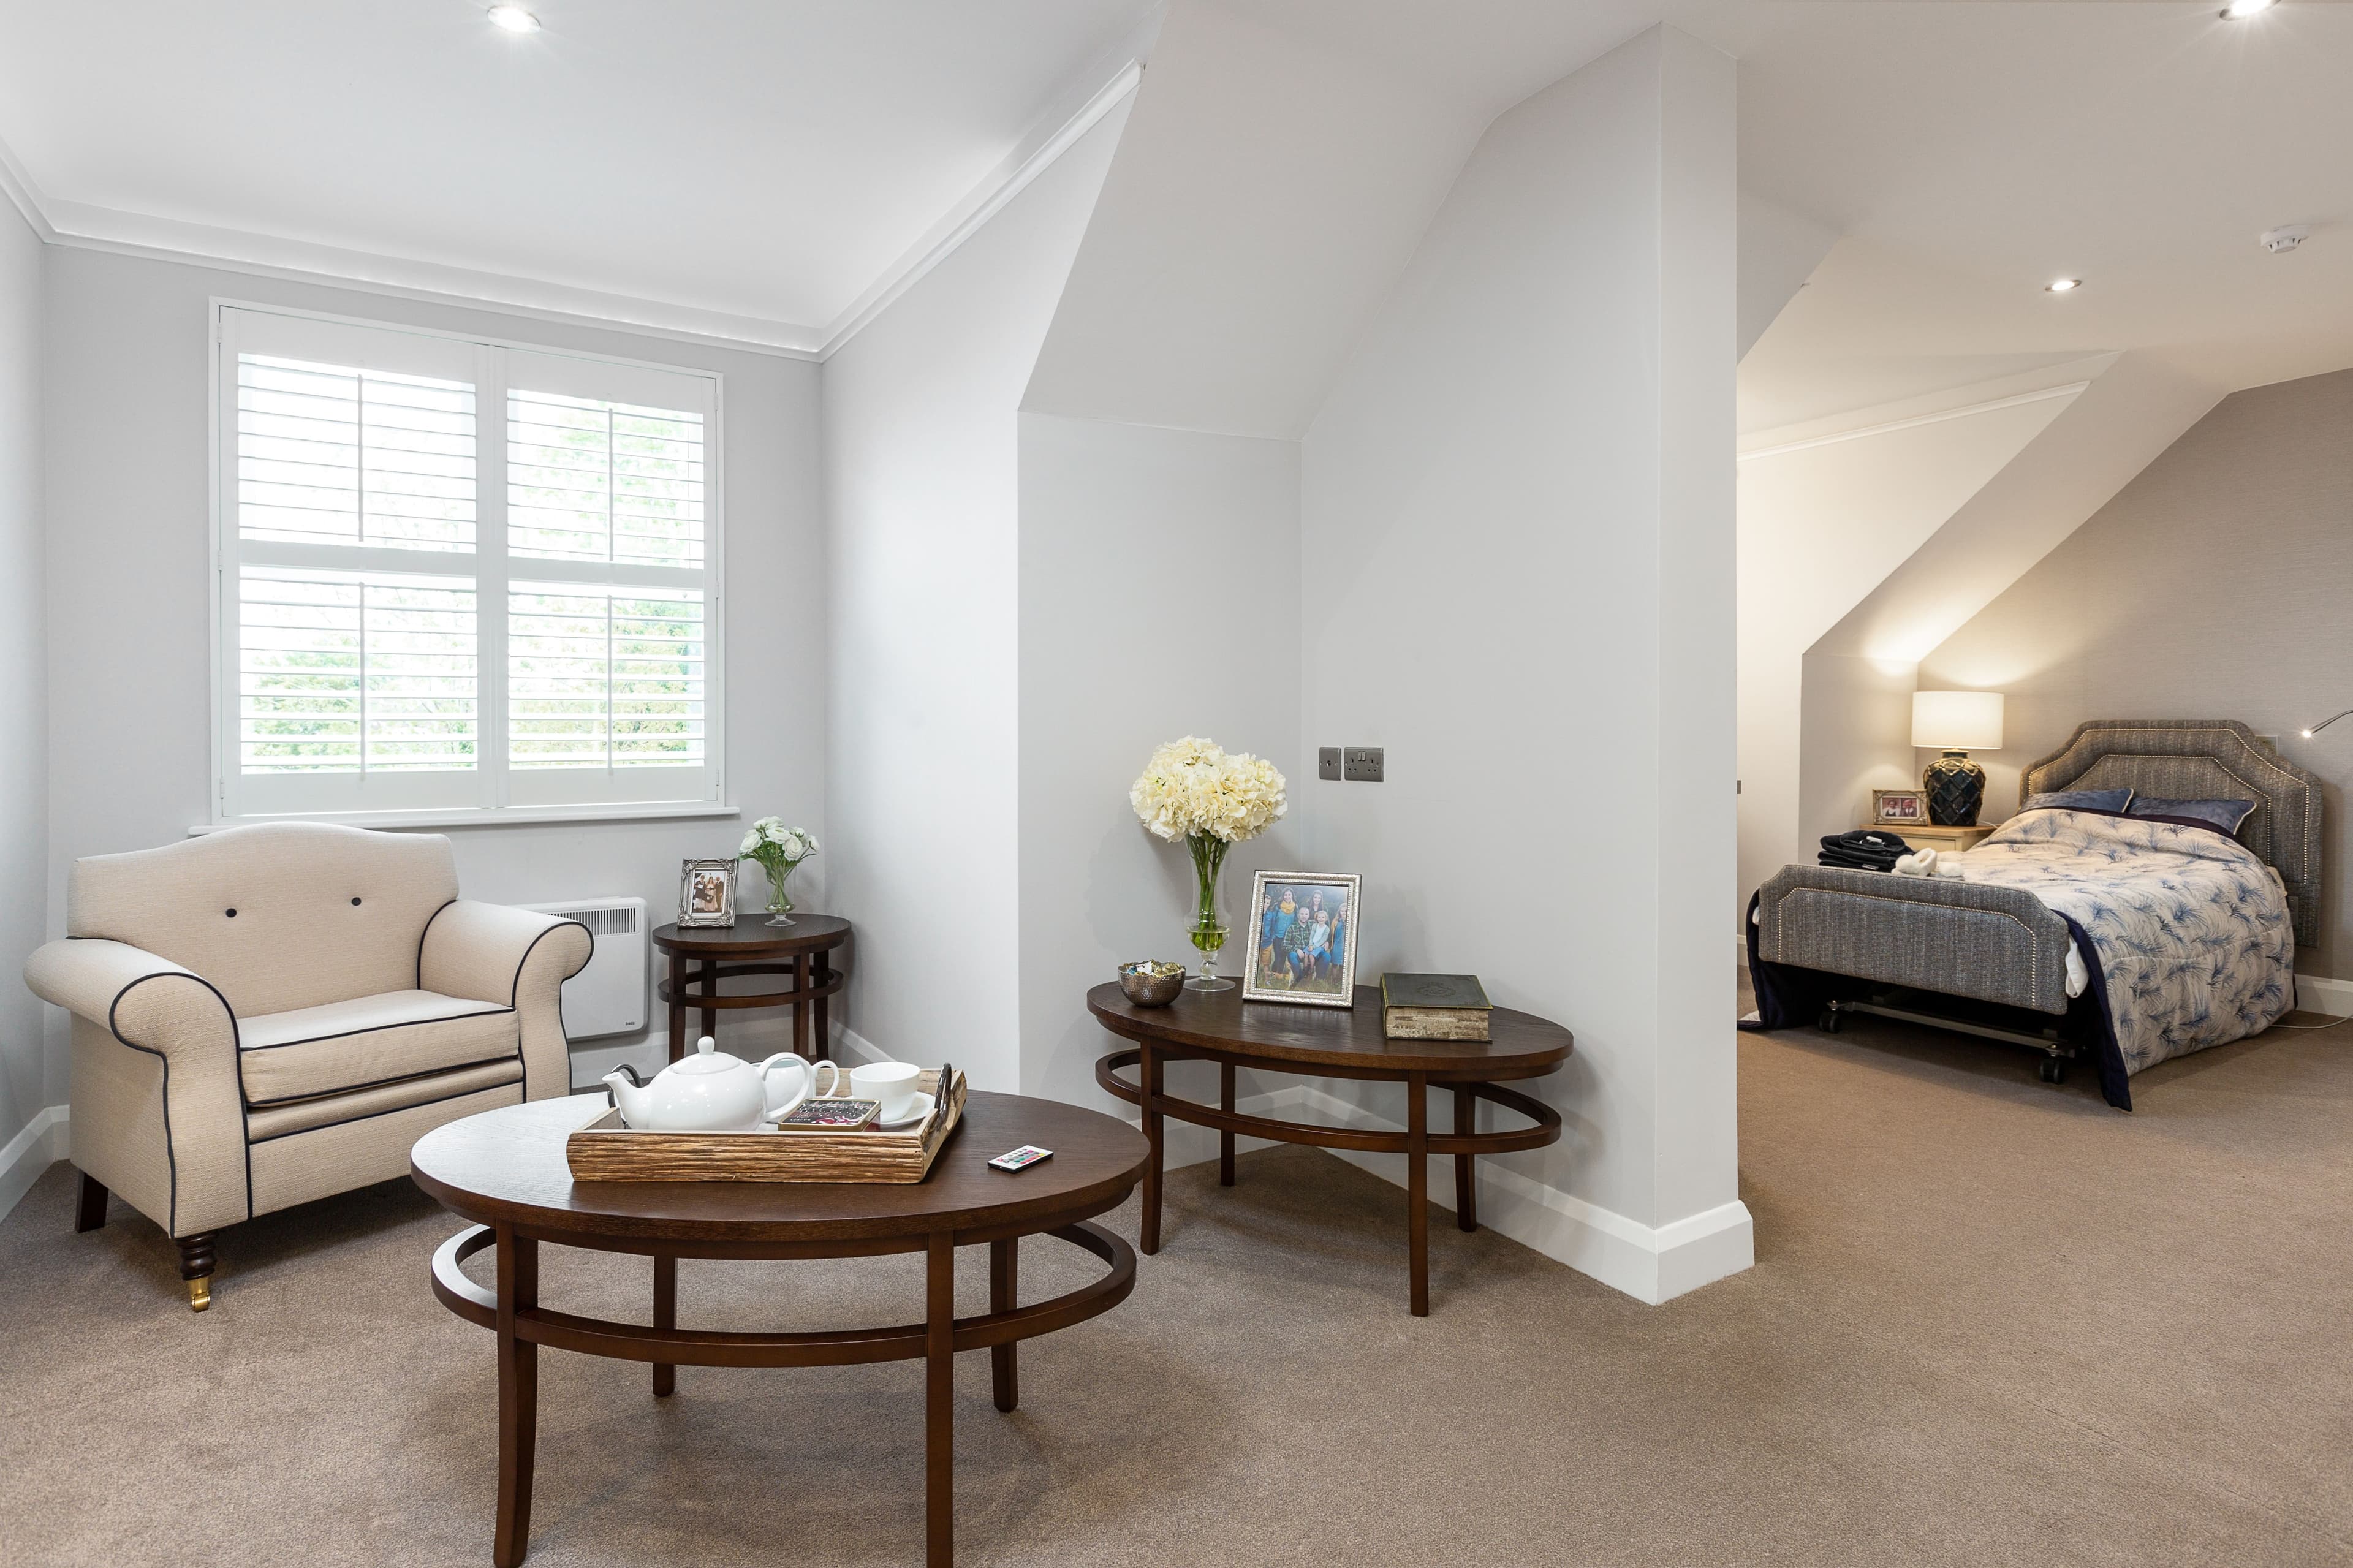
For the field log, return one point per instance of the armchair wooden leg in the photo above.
(196, 1268)
(90, 1204)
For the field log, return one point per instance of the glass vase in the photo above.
(1208, 932)
(780, 904)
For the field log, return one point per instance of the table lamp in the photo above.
(1955, 722)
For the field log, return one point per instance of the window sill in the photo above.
(479, 816)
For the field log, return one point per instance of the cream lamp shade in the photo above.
(1957, 721)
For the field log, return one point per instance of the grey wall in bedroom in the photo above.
(2218, 585)
(23, 699)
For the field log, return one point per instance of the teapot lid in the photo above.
(705, 1058)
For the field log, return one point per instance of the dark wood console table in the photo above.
(1331, 1042)
(752, 946)
(505, 1170)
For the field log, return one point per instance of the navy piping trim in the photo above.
(514, 994)
(372, 1115)
(420, 943)
(170, 1156)
(515, 1055)
(487, 1010)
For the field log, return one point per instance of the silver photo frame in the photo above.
(1288, 961)
(706, 893)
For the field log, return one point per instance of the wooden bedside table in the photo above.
(1928, 835)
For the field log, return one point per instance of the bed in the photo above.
(2183, 937)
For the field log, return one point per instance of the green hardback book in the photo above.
(1433, 991)
(1434, 1007)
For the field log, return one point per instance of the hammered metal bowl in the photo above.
(1150, 982)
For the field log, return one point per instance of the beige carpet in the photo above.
(1990, 1323)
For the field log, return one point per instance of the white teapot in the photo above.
(711, 1092)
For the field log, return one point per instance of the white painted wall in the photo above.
(24, 1088)
(128, 540)
(1160, 596)
(922, 444)
(1856, 736)
(1517, 562)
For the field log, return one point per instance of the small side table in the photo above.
(752, 946)
(1928, 835)
(1331, 1042)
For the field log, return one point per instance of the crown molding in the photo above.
(1029, 159)
(85, 227)
(25, 195)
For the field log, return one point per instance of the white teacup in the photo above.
(891, 1083)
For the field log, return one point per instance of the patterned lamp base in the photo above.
(1956, 788)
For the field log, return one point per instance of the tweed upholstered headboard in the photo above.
(2203, 759)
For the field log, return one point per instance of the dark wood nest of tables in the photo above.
(701, 956)
(505, 1170)
(1333, 1042)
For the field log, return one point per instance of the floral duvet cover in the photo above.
(2187, 929)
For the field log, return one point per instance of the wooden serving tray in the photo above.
(606, 1150)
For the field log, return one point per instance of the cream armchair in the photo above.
(269, 1014)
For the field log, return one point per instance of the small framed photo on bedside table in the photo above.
(1899, 808)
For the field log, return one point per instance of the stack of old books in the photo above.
(1434, 1007)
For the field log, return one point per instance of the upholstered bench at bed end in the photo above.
(1963, 939)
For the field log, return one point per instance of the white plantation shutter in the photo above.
(355, 673)
(461, 577)
(604, 677)
(591, 480)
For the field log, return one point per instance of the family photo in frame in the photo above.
(1302, 931)
(706, 893)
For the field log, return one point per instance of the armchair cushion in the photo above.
(367, 1041)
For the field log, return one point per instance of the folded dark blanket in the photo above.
(1866, 850)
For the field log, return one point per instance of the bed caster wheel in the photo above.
(2054, 1070)
(1828, 1022)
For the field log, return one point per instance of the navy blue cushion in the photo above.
(2225, 814)
(2081, 800)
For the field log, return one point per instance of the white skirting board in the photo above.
(29, 1156)
(1651, 1264)
(2332, 998)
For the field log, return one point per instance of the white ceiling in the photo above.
(1971, 153)
(760, 169)
(759, 165)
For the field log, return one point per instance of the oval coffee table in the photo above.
(1334, 1042)
(505, 1170)
(752, 946)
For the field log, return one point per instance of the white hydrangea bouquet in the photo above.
(778, 849)
(1192, 790)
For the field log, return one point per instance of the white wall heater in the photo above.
(608, 998)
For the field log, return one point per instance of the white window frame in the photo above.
(484, 795)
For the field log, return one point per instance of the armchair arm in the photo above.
(162, 1122)
(519, 959)
(145, 1002)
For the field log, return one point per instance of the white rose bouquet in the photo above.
(1192, 790)
(777, 849)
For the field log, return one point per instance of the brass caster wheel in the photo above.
(200, 1295)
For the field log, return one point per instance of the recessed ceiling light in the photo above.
(515, 19)
(2062, 285)
(2240, 10)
